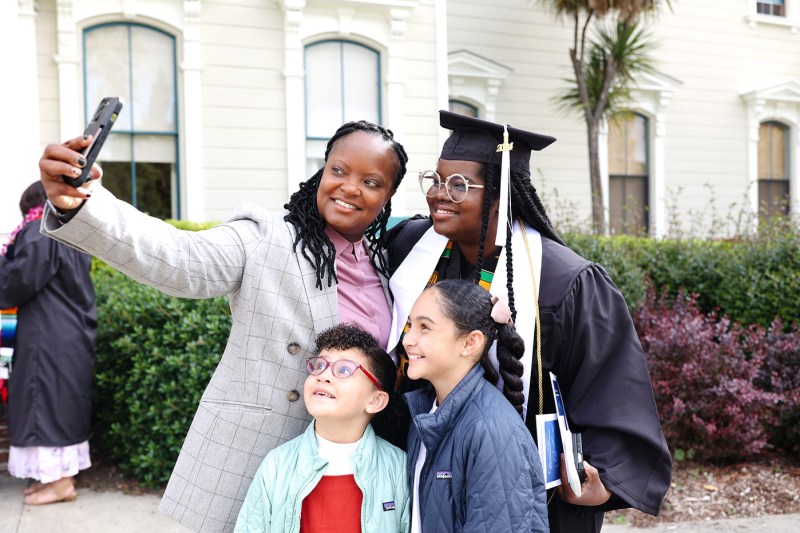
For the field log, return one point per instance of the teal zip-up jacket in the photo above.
(291, 471)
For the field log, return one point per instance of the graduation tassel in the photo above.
(503, 216)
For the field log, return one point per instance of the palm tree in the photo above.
(604, 73)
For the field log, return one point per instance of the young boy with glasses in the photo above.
(338, 475)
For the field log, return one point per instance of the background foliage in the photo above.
(751, 280)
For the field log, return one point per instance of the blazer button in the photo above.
(293, 348)
(292, 395)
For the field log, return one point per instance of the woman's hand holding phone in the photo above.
(66, 160)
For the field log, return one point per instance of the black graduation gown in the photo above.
(49, 402)
(589, 342)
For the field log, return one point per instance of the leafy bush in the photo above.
(191, 226)
(781, 375)
(620, 256)
(155, 356)
(704, 369)
(751, 280)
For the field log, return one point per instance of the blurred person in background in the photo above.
(49, 400)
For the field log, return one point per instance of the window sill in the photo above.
(792, 23)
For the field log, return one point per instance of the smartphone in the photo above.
(577, 451)
(99, 126)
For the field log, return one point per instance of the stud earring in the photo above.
(464, 353)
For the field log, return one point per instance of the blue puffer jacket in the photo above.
(482, 471)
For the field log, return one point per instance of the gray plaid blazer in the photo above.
(254, 401)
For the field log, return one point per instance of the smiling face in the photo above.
(461, 222)
(436, 349)
(341, 400)
(356, 183)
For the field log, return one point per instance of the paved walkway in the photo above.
(116, 512)
(92, 512)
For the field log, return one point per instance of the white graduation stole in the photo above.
(410, 279)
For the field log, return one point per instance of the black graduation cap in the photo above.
(476, 140)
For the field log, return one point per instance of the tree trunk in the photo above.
(593, 141)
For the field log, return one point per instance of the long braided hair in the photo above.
(526, 205)
(309, 225)
(469, 306)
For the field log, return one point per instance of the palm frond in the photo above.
(627, 45)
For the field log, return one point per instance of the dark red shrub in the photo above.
(704, 370)
(781, 375)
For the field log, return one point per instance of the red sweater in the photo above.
(334, 506)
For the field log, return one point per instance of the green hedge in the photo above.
(155, 356)
(750, 280)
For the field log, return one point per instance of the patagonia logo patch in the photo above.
(389, 506)
(444, 474)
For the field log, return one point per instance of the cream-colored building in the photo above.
(232, 100)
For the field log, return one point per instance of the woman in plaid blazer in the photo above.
(288, 276)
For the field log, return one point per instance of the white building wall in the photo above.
(47, 71)
(534, 45)
(19, 110)
(232, 90)
(421, 132)
(712, 49)
(243, 105)
(234, 120)
(709, 47)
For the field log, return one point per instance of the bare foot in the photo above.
(36, 486)
(62, 490)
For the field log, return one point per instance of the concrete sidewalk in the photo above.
(116, 512)
(92, 512)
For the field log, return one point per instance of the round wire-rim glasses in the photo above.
(455, 185)
(342, 369)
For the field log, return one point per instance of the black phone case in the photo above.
(101, 123)
(577, 451)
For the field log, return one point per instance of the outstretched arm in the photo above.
(181, 263)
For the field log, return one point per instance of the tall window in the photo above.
(628, 178)
(773, 170)
(140, 157)
(463, 108)
(342, 84)
(771, 7)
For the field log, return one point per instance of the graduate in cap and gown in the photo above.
(487, 224)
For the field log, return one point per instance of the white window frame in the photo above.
(378, 24)
(650, 98)
(184, 25)
(647, 175)
(475, 80)
(790, 20)
(378, 70)
(776, 102)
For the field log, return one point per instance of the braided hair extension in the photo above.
(469, 306)
(309, 225)
(526, 204)
(488, 197)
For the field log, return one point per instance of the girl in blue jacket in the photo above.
(472, 464)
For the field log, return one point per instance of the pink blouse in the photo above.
(361, 297)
